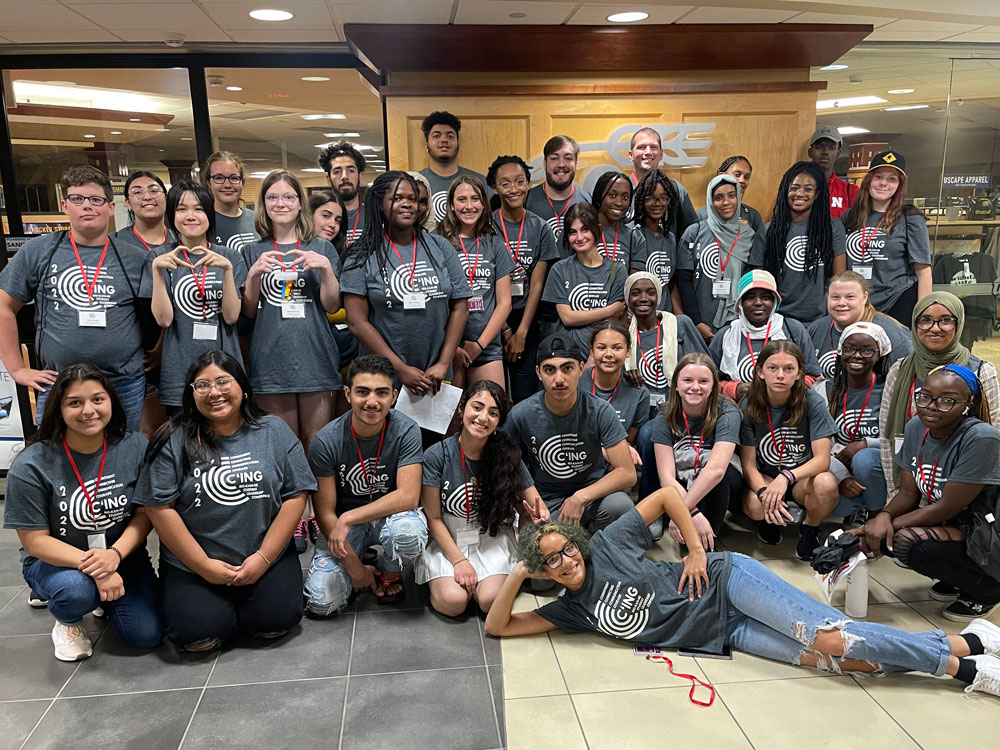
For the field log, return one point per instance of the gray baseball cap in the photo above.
(829, 132)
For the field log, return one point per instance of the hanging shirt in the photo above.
(888, 258)
(826, 339)
(661, 261)
(785, 447)
(531, 245)
(841, 195)
(439, 189)
(582, 288)
(625, 244)
(631, 404)
(552, 210)
(748, 358)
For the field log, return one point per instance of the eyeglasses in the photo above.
(926, 323)
(221, 179)
(651, 201)
(507, 185)
(204, 387)
(554, 560)
(941, 403)
(153, 191)
(78, 200)
(275, 199)
(850, 351)
(792, 189)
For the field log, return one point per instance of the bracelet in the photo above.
(114, 549)
(761, 490)
(695, 512)
(265, 558)
(787, 474)
(464, 559)
(481, 349)
(886, 512)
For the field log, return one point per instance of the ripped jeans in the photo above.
(769, 617)
(328, 585)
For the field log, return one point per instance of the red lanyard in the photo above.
(701, 439)
(520, 232)
(909, 404)
(866, 240)
(832, 347)
(569, 201)
(614, 252)
(694, 680)
(774, 440)
(723, 264)
(469, 264)
(920, 468)
(593, 387)
(145, 244)
(88, 286)
(79, 479)
(357, 218)
(298, 244)
(857, 425)
(475, 493)
(656, 352)
(413, 268)
(199, 284)
(767, 335)
(361, 459)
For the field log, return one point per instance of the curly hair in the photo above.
(343, 148)
(491, 173)
(440, 118)
(645, 188)
(819, 229)
(529, 541)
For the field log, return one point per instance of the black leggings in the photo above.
(949, 561)
(902, 309)
(718, 499)
(197, 611)
(521, 377)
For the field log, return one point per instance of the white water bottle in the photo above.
(856, 597)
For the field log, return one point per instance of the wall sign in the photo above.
(966, 180)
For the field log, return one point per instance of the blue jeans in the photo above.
(771, 618)
(71, 594)
(328, 585)
(131, 392)
(866, 467)
(649, 480)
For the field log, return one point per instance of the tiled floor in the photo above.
(388, 677)
(603, 697)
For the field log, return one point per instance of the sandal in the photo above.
(386, 581)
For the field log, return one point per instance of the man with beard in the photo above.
(441, 132)
(824, 150)
(646, 153)
(344, 165)
(551, 199)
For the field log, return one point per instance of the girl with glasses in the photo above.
(657, 210)
(224, 176)
(146, 199)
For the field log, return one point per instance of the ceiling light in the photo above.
(834, 67)
(234, 88)
(908, 106)
(900, 91)
(61, 83)
(851, 130)
(134, 119)
(312, 169)
(341, 135)
(258, 175)
(89, 135)
(270, 15)
(628, 16)
(323, 117)
(116, 132)
(187, 139)
(315, 79)
(850, 101)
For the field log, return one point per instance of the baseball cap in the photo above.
(558, 346)
(888, 159)
(829, 132)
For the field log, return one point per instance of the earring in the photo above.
(966, 410)
(245, 395)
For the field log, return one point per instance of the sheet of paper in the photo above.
(433, 413)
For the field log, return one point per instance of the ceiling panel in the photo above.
(881, 35)
(403, 11)
(206, 32)
(236, 16)
(477, 11)
(162, 16)
(929, 26)
(41, 16)
(712, 14)
(597, 14)
(985, 34)
(59, 36)
(292, 35)
(875, 21)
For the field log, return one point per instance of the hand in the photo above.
(675, 533)
(98, 563)
(850, 450)
(414, 379)
(513, 346)
(851, 487)
(462, 358)
(338, 538)
(250, 570)
(472, 350)
(616, 309)
(311, 260)
(572, 509)
(635, 456)
(706, 332)
(40, 380)
(521, 571)
(704, 529)
(363, 578)
(742, 389)
(218, 572)
(267, 262)
(694, 575)
(536, 509)
(878, 530)
(110, 587)
(171, 260)
(435, 374)
(151, 360)
(212, 259)
(634, 377)
(773, 500)
(465, 576)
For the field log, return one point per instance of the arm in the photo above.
(39, 543)
(231, 305)
(329, 287)
(405, 497)
(839, 264)
(881, 527)
(99, 563)
(499, 317)
(711, 474)
(888, 444)
(251, 290)
(666, 469)
(174, 534)
(163, 309)
(274, 543)
(924, 283)
(535, 289)
(689, 300)
(675, 299)
(751, 474)
(10, 348)
(453, 331)
(955, 497)
(668, 500)
(501, 620)
(325, 508)
(576, 318)
(620, 478)
(465, 574)
(356, 307)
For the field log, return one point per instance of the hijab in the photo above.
(729, 233)
(874, 330)
(667, 320)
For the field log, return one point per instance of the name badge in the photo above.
(93, 317)
(865, 271)
(899, 444)
(293, 310)
(467, 536)
(284, 275)
(97, 541)
(415, 301)
(205, 332)
(476, 304)
(517, 289)
(655, 399)
(837, 447)
(721, 287)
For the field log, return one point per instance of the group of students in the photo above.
(834, 410)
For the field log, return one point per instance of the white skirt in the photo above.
(494, 555)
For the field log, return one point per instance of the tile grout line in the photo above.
(197, 703)
(20, 590)
(736, 721)
(347, 684)
(860, 684)
(562, 674)
(489, 682)
(49, 708)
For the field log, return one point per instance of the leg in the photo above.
(315, 410)
(328, 586)
(487, 590)
(943, 557)
(447, 597)
(649, 480)
(523, 380)
(818, 495)
(70, 593)
(716, 502)
(135, 617)
(284, 405)
(487, 371)
(601, 513)
(866, 467)
(273, 605)
(404, 537)
(132, 393)
(198, 615)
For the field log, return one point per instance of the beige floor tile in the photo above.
(744, 539)
(903, 582)
(749, 668)
(898, 616)
(525, 602)
(655, 719)
(665, 550)
(592, 663)
(830, 713)
(530, 668)
(531, 723)
(801, 575)
(932, 611)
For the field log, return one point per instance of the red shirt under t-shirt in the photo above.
(841, 195)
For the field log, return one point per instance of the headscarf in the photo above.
(428, 224)
(773, 329)
(668, 353)
(968, 377)
(729, 233)
(919, 364)
(874, 330)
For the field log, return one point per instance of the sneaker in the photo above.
(966, 610)
(943, 592)
(857, 519)
(656, 529)
(312, 529)
(987, 675)
(300, 536)
(808, 542)
(99, 613)
(36, 600)
(769, 533)
(72, 642)
(988, 633)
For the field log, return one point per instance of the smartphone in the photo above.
(727, 653)
(797, 512)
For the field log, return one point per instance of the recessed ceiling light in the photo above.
(312, 169)
(234, 88)
(908, 106)
(518, 15)
(834, 67)
(89, 135)
(341, 135)
(628, 16)
(851, 130)
(187, 139)
(259, 174)
(116, 132)
(61, 83)
(900, 91)
(270, 15)
(134, 119)
(850, 101)
(316, 79)
(323, 117)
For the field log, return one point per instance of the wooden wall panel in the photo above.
(483, 138)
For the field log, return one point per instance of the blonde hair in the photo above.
(262, 222)
(853, 277)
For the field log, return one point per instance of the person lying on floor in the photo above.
(709, 601)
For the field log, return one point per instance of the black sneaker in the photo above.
(36, 600)
(943, 592)
(857, 519)
(966, 610)
(300, 537)
(769, 533)
(808, 542)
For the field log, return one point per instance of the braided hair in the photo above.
(819, 230)
(730, 161)
(603, 186)
(645, 188)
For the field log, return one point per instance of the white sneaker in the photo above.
(988, 633)
(987, 675)
(72, 642)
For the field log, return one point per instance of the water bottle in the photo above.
(856, 597)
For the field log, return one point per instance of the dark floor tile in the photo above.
(496, 682)
(491, 645)
(143, 721)
(9, 593)
(10, 567)
(117, 668)
(17, 719)
(415, 597)
(442, 709)
(314, 648)
(38, 673)
(17, 618)
(275, 715)
(414, 639)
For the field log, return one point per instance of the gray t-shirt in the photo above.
(458, 487)
(484, 261)
(727, 430)
(787, 447)
(746, 361)
(859, 421)
(826, 339)
(890, 257)
(629, 597)
(631, 404)
(563, 451)
(184, 288)
(416, 336)
(333, 453)
(292, 349)
(235, 232)
(439, 189)
(127, 238)
(228, 505)
(582, 288)
(43, 492)
(526, 247)
(354, 223)
(625, 244)
(802, 298)
(552, 210)
(661, 261)
(649, 357)
(46, 271)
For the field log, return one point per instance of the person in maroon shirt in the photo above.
(824, 150)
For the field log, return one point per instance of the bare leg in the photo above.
(487, 590)
(490, 371)
(315, 410)
(284, 405)
(818, 495)
(447, 597)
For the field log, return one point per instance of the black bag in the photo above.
(982, 537)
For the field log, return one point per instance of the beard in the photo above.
(347, 193)
(560, 181)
